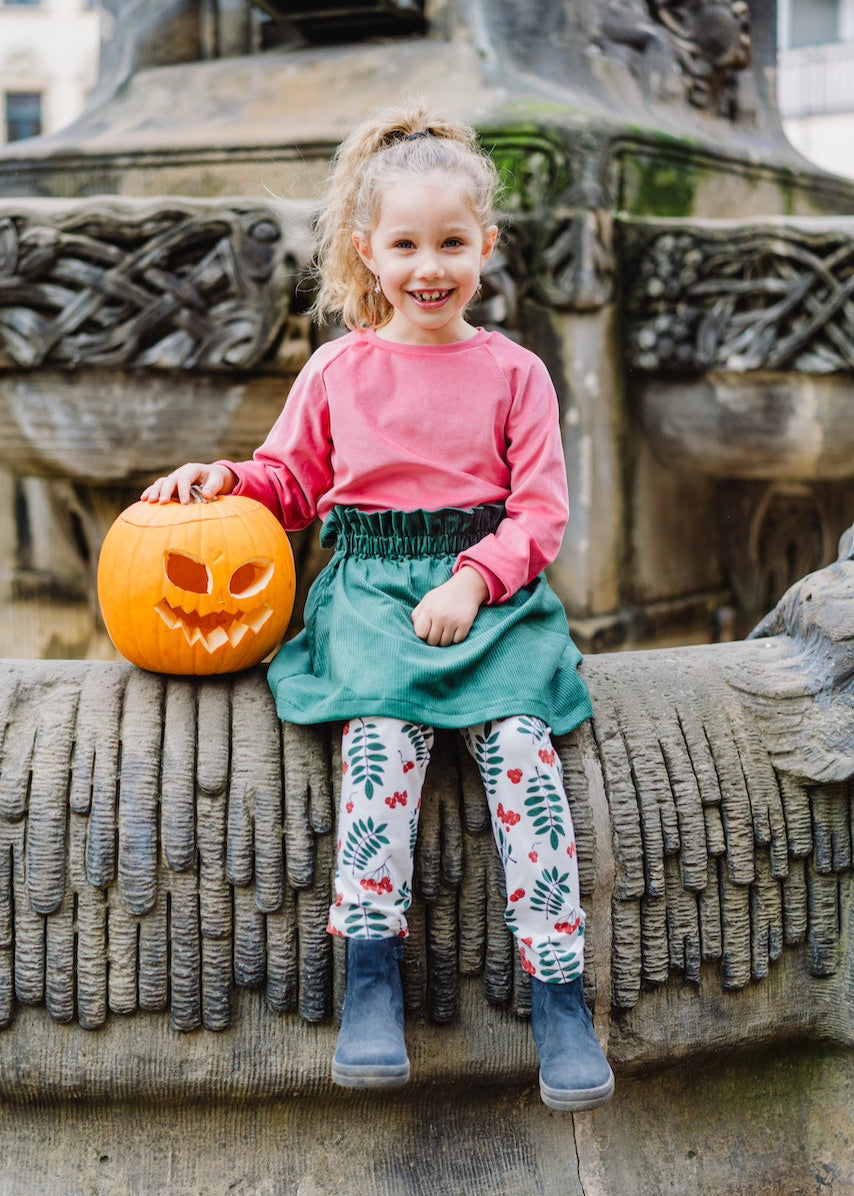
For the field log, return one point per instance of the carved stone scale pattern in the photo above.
(740, 297)
(165, 840)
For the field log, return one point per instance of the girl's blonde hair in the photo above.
(388, 145)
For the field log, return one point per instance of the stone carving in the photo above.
(558, 230)
(161, 284)
(165, 841)
(712, 42)
(741, 297)
(705, 42)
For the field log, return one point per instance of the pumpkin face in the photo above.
(196, 588)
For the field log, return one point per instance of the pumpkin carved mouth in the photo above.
(216, 629)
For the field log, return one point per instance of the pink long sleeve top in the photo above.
(377, 425)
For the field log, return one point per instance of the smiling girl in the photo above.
(431, 450)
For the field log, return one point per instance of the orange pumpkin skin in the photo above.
(196, 588)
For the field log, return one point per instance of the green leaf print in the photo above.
(532, 728)
(504, 845)
(551, 892)
(364, 840)
(488, 758)
(558, 962)
(421, 739)
(366, 757)
(546, 806)
(364, 919)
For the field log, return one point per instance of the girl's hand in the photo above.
(444, 616)
(211, 480)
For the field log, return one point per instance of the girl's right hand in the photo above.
(211, 480)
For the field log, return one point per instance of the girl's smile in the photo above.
(427, 250)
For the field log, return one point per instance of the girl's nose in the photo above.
(428, 266)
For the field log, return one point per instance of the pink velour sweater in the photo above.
(377, 425)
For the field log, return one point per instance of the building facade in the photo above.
(816, 80)
(48, 63)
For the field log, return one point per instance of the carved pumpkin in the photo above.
(203, 587)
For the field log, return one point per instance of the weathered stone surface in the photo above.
(194, 836)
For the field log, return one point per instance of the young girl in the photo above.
(431, 450)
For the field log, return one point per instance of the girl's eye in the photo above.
(454, 242)
(403, 245)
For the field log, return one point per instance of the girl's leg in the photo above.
(531, 820)
(522, 776)
(383, 764)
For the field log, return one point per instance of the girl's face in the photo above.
(427, 249)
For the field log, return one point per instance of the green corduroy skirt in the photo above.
(359, 655)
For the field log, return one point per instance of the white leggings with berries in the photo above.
(384, 762)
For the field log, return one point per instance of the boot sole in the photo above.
(352, 1075)
(569, 1100)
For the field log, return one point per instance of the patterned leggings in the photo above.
(384, 762)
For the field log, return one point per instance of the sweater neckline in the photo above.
(423, 350)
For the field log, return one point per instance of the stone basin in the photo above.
(110, 428)
(758, 426)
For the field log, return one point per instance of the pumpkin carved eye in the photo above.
(187, 573)
(250, 578)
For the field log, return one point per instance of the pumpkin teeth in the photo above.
(215, 630)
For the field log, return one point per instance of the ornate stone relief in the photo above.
(159, 284)
(558, 230)
(703, 44)
(772, 297)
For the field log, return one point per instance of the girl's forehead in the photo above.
(439, 193)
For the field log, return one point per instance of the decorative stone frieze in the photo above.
(740, 296)
(160, 284)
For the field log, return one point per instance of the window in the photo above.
(23, 114)
(813, 22)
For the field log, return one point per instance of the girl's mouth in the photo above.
(430, 297)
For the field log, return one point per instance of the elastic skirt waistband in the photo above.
(389, 534)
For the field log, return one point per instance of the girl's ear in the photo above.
(490, 236)
(363, 248)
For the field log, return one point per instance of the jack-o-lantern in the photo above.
(196, 588)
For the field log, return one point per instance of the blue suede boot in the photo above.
(371, 1052)
(574, 1073)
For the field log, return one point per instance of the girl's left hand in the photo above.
(444, 616)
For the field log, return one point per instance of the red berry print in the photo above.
(568, 927)
(518, 895)
(344, 767)
(349, 807)
(376, 886)
(528, 942)
(338, 933)
(546, 757)
(570, 851)
(346, 730)
(399, 799)
(515, 775)
(408, 766)
(339, 898)
(533, 857)
(508, 817)
(526, 963)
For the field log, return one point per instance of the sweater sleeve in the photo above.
(529, 537)
(293, 467)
